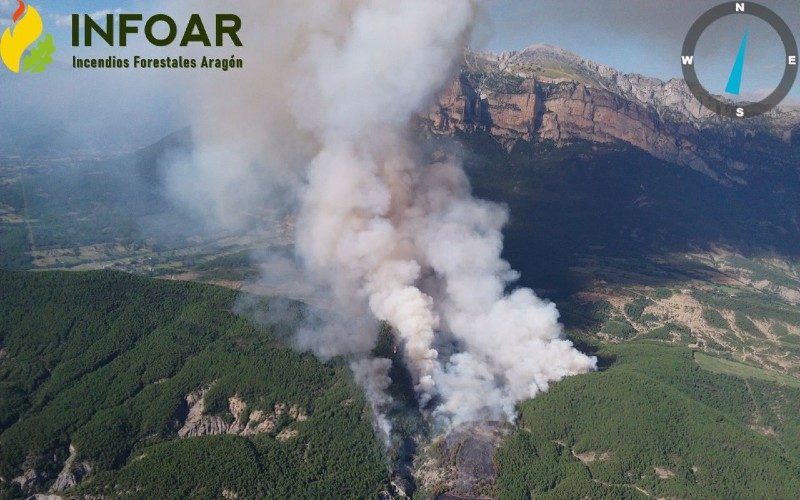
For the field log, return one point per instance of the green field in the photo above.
(728, 367)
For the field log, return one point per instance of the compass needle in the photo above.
(734, 107)
(735, 80)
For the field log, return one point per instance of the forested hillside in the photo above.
(111, 366)
(657, 423)
(114, 385)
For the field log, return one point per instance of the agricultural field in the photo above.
(744, 309)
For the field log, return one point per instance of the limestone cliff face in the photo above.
(505, 115)
(562, 112)
(573, 110)
(242, 421)
(547, 93)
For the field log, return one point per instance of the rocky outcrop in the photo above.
(242, 421)
(34, 480)
(577, 111)
(510, 114)
(197, 423)
(547, 93)
(74, 472)
(29, 480)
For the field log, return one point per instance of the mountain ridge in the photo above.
(547, 53)
(548, 93)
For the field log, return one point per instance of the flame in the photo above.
(19, 11)
(16, 40)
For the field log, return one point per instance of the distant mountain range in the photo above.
(545, 92)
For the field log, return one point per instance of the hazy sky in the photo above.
(63, 109)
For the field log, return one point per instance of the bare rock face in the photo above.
(461, 464)
(562, 112)
(29, 480)
(547, 93)
(32, 480)
(287, 434)
(74, 472)
(506, 115)
(198, 424)
(229, 494)
(599, 115)
(244, 422)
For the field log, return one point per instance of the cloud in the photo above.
(66, 19)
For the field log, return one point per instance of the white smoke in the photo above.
(373, 376)
(321, 112)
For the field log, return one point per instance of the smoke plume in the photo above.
(317, 121)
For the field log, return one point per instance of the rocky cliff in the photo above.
(241, 421)
(547, 93)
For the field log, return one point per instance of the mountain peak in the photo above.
(543, 54)
(548, 49)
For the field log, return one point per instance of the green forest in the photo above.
(656, 424)
(104, 360)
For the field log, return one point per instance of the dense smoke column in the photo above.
(384, 235)
(358, 212)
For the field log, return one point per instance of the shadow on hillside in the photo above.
(587, 212)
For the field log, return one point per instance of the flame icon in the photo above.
(27, 29)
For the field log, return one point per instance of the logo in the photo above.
(160, 30)
(740, 109)
(26, 30)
